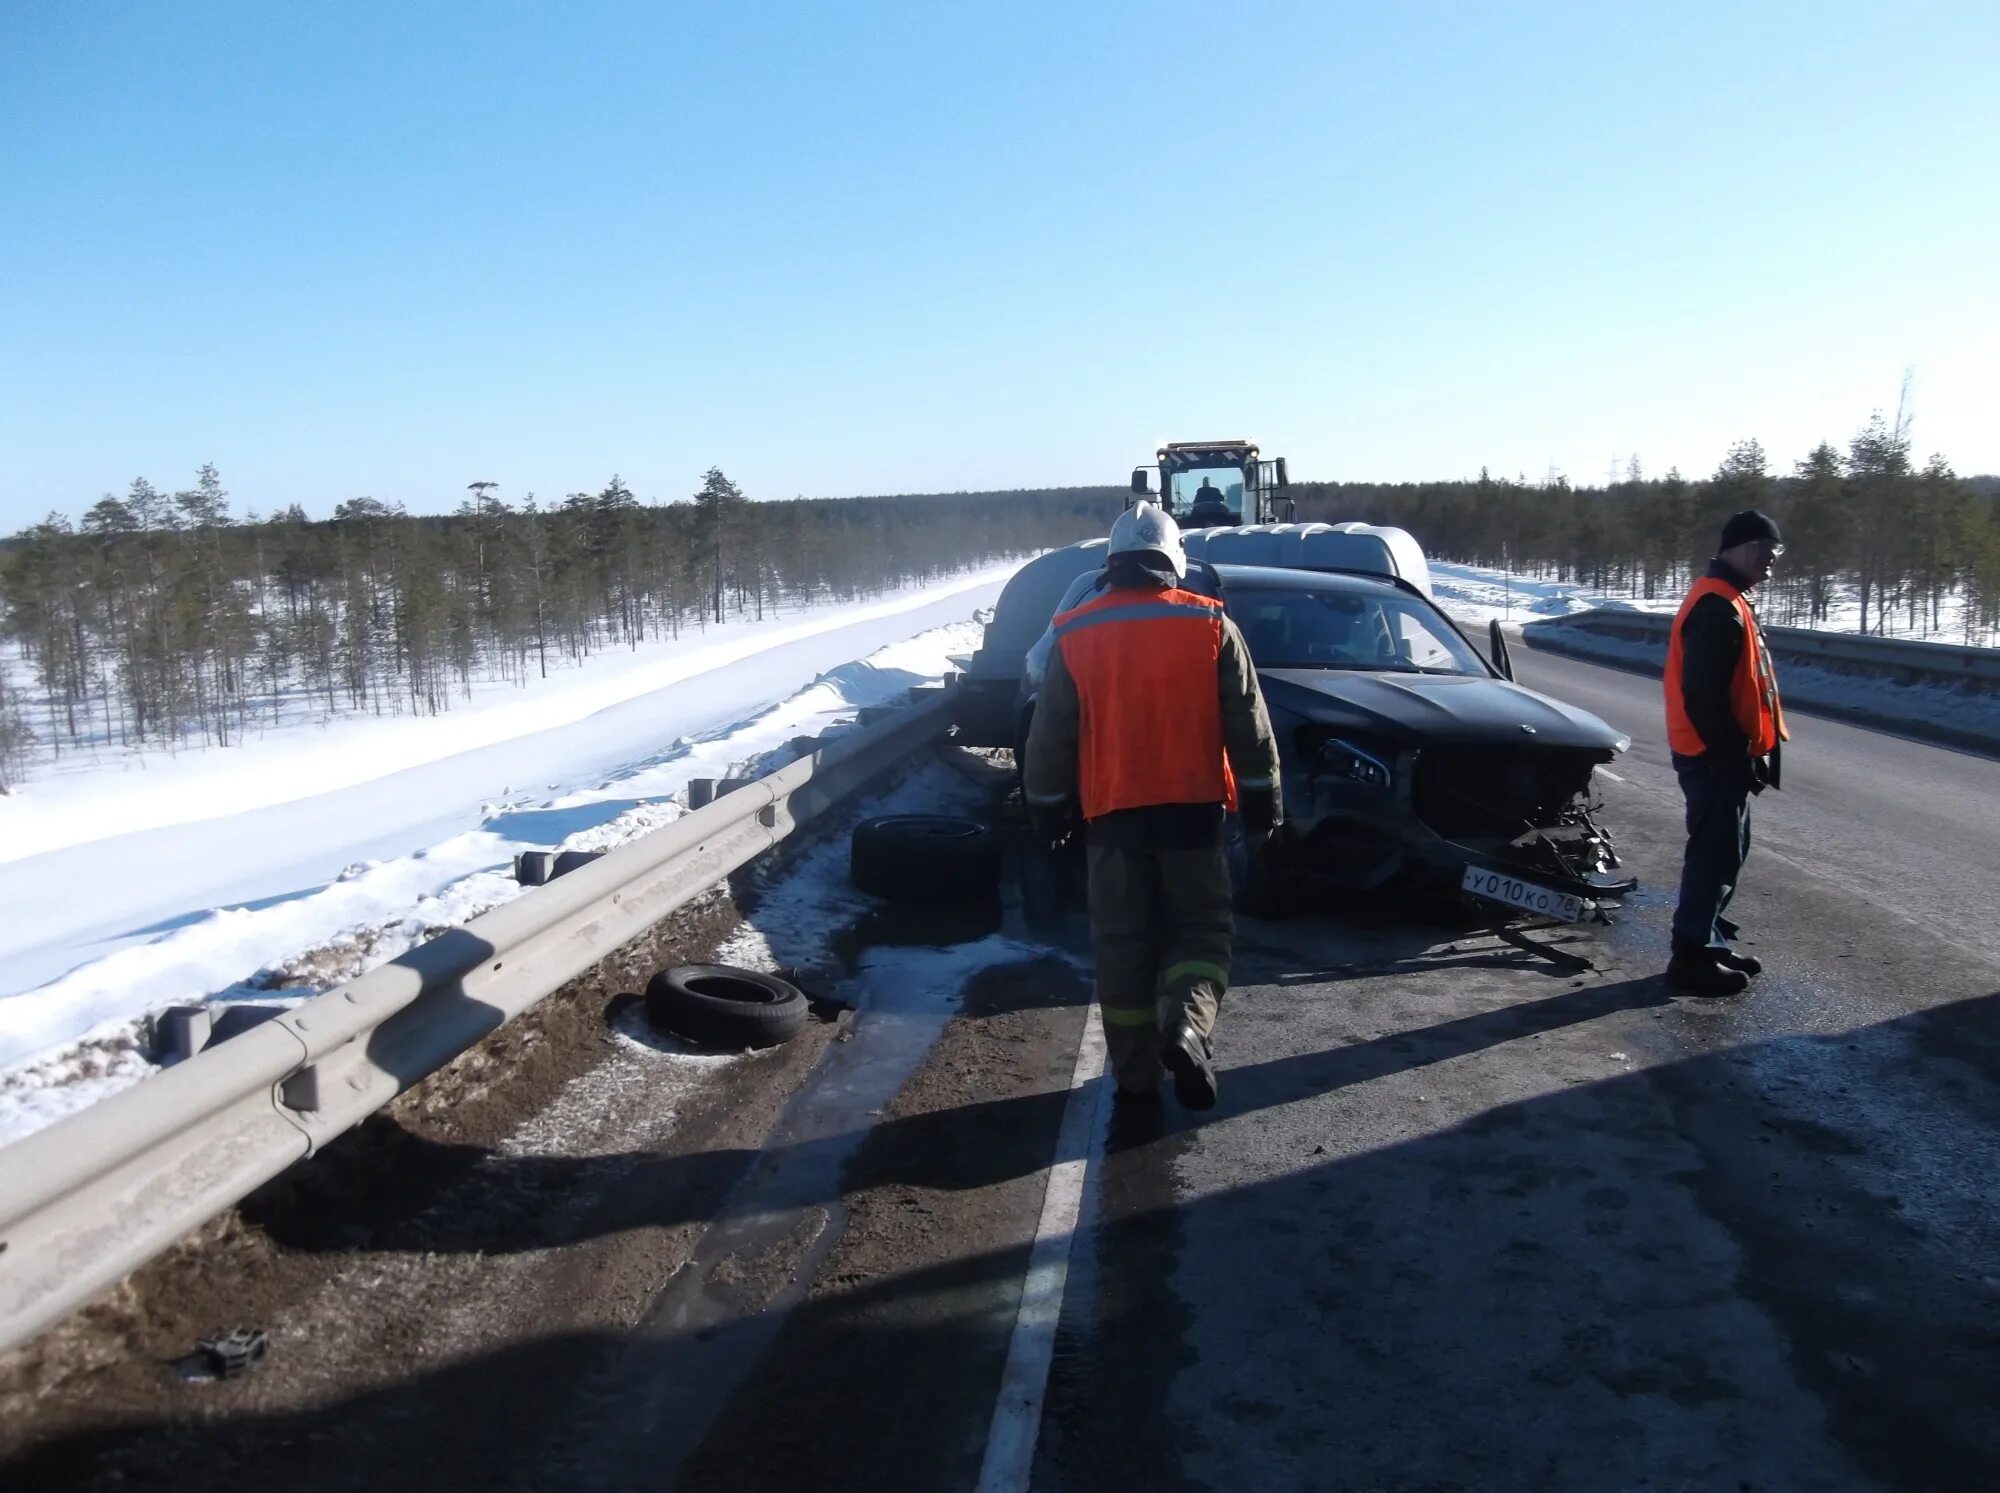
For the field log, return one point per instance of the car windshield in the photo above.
(1388, 633)
(1201, 496)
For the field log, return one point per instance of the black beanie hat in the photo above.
(1747, 526)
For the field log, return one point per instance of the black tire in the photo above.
(926, 858)
(717, 1005)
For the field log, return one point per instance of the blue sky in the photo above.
(345, 249)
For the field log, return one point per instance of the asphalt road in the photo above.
(1908, 827)
(1463, 1219)
(1463, 1224)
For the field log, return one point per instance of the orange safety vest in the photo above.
(1753, 692)
(1149, 707)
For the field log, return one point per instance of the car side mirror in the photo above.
(1502, 659)
(1139, 482)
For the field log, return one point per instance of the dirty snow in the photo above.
(291, 898)
(795, 921)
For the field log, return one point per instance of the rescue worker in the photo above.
(1726, 729)
(1150, 700)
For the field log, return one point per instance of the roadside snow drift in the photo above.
(300, 888)
(1473, 595)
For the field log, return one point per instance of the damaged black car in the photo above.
(1409, 759)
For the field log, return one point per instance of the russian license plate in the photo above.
(1498, 886)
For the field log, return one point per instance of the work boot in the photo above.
(1750, 964)
(1186, 1054)
(1695, 971)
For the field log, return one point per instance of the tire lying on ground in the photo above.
(925, 858)
(718, 1005)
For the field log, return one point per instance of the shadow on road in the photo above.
(506, 1212)
(1659, 1275)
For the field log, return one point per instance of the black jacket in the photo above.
(1712, 644)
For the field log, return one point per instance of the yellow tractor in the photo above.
(1216, 484)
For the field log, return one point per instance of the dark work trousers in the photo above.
(1718, 825)
(1161, 928)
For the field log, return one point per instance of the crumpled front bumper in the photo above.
(1353, 837)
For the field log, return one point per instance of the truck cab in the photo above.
(1215, 484)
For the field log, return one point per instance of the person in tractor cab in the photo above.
(1149, 728)
(1210, 506)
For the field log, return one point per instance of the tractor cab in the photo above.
(1216, 484)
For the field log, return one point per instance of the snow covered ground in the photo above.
(1958, 712)
(117, 791)
(1472, 594)
(294, 863)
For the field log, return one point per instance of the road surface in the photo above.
(1462, 1220)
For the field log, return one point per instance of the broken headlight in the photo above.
(1337, 757)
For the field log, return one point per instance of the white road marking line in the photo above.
(1017, 1417)
(1607, 772)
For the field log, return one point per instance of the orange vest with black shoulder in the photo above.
(1149, 721)
(1753, 691)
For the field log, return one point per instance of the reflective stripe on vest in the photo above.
(1753, 689)
(1149, 708)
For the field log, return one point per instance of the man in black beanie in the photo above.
(1726, 728)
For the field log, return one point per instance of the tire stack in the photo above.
(942, 870)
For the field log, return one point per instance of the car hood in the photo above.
(1420, 709)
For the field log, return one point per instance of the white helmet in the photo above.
(1146, 528)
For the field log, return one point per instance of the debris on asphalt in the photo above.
(228, 1355)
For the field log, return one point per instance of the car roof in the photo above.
(1277, 577)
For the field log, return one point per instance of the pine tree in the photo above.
(1741, 481)
(720, 503)
(1878, 492)
(1818, 527)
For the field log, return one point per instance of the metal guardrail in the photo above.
(91, 1198)
(1909, 657)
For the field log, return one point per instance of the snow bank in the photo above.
(1472, 596)
(88, 796)
(79, 984)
